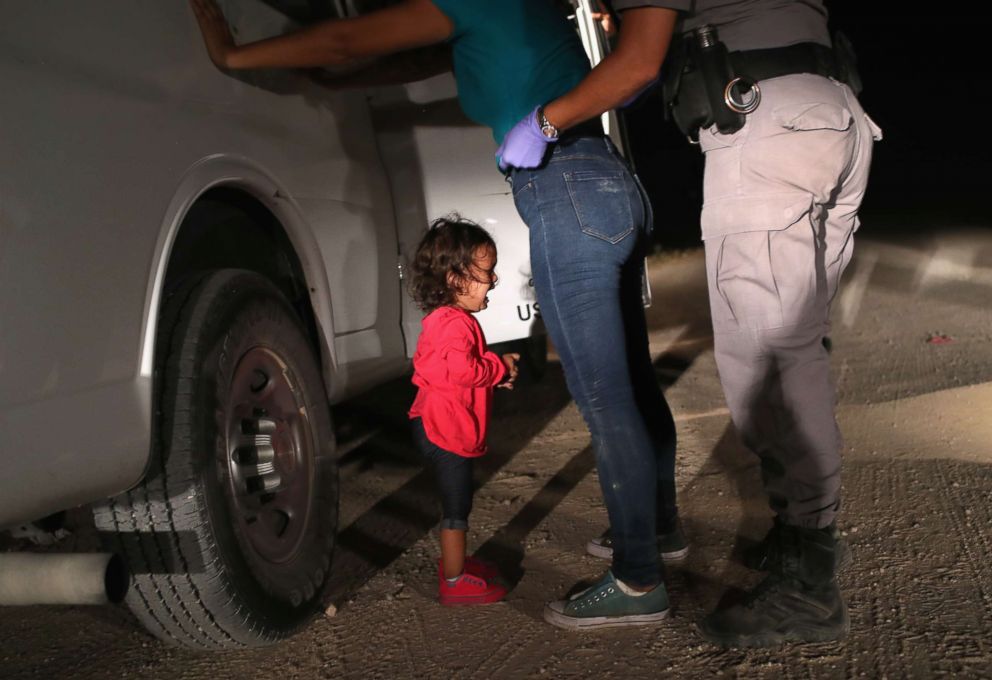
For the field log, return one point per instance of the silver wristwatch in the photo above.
(548, 128)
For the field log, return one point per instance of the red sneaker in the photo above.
(468, 589)
(475, 566)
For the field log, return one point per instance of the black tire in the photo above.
(229, 536)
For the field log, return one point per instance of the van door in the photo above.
(349, 207)
(440, 162)
(597, 46)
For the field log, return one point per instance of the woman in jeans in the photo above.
(588, 220)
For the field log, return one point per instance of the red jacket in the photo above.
(456, 375)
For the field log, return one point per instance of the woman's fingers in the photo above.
(216, 33)
(210, 17)
(213, 11)
(206, 8)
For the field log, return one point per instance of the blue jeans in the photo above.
(588, 219)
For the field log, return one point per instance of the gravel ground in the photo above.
(913, 362)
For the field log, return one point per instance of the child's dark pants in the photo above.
(454, 479)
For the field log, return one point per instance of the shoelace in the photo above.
(761, 591)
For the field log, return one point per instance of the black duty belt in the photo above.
(783, 61)
(705, 85)
(590, 128)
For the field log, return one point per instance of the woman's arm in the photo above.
(644, 38)
(393, 69)
(412, 23)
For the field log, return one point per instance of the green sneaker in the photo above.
(605, 605)
(672, 546)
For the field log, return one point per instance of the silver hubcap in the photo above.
(270, 456)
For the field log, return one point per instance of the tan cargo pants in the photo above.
(781, 198)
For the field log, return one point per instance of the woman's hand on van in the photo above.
(216, 33)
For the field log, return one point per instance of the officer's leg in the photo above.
(778, 223)
(776, 378)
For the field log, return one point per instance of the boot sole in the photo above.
(804, 634)
(604, 553)
(587, 623)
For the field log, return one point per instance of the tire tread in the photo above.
(160, 526)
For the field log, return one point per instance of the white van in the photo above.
(193, 266)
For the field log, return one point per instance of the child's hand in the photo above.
(216, 32)
(510, 359)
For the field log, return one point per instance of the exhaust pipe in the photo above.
(62, 578)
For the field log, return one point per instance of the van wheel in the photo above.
(229, 536)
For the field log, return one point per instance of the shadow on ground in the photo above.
(397, 521)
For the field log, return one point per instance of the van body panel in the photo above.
(115, 123)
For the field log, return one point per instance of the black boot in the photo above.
(797, 602)
(762, 556)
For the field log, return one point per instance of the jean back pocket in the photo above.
(602, 203)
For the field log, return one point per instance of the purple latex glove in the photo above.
(524, 145)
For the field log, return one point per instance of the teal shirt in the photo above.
(510, 56)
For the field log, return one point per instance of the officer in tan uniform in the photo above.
(787, 150)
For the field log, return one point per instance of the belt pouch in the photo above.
(695, 83)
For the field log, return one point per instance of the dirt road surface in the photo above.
(913, 361)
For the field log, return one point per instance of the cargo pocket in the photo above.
(602, 203)
(761, 212)
(876, 132)
(762, 264)
(813, 116)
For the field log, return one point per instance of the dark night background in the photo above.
(922, 85)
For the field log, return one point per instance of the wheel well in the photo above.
(228, 228)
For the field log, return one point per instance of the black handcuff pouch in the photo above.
(693, 85)
(701, 79)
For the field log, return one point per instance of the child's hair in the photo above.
(448, 247)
